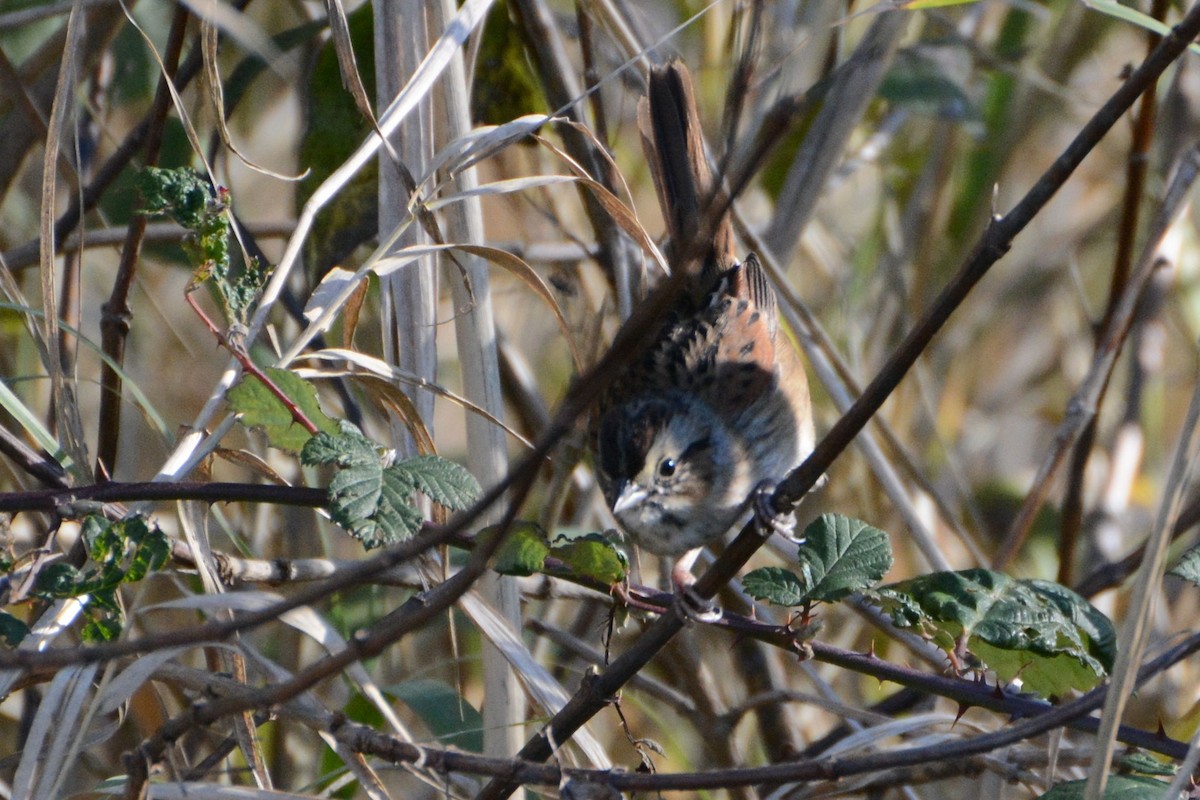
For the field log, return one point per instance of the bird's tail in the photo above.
(674, 145)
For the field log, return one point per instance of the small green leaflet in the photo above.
(1048, 635)
(775, 585)
(523, 553)
(125, 551)
(186, 196)
(839, 556)
(1119, 787)
(1138, 761)
(527, 550)
(372, 499)
(260, 408)
(1188, 567)
(179, 193)
(592, 555)
(12, 630)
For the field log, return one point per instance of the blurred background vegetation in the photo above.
(893, 135)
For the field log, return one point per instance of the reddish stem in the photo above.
(251, 368)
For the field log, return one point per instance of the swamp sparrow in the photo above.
(716, 407)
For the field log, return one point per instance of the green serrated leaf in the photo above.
(101, 629)
(1097, 631)
(372, 501)
(12, 630)
(1188, 567)
(97, 535)
(346, 448)
(374, 504)
(1144, 763)
(259, 408)
(179, 193)
(593, 556)
(841, 555)
(57, 580)
(1044, 633)
(775, 585)
(442, 481)
(1119, 787)
(523, 552)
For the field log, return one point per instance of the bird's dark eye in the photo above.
(666, 468)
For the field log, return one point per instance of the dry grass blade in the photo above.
(53, 735)
(393, 398)
(540, 684)
(340, 285)
(853, 85)
(247, 33)
(515, 265)
(216, 101)
(66, 408)
(382, 369)
(1135, 630)
(339, 34)
(483, 142)
(132, 676)
(620, 213)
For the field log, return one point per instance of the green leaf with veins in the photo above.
(259, 408)
(839, 556)
(775, 585)
(442, 481)
(1046, 634)
(372, 499)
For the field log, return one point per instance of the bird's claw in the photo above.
(691, 607)
(769, 519)
(688, 604)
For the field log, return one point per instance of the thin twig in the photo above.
(116, 313)
(1135, 183)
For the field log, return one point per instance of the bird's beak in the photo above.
(628, 496)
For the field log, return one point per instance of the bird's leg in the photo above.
(689, 605)
(769, 519)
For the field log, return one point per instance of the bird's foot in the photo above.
(769, 519)
(688, 604)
